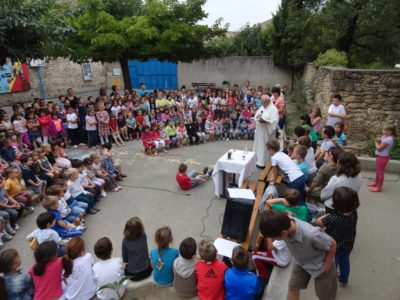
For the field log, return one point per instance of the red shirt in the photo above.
(184, 181)
(48, 286)
(210, 280)
(147, 139)
(113, 125)
(140, 120)
(44, 120)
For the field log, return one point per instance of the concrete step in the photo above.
(277, 287)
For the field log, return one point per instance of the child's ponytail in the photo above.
(44, 253)
(74, 249)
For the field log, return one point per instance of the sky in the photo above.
(239, 12)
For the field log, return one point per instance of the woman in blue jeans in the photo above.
(341, 225)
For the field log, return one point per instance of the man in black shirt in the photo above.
(73, 100)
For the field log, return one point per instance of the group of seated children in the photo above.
(67, 191)
(74, 275)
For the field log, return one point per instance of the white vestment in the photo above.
(265, 132)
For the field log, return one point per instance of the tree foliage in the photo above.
(333, 58)
(368, 31)
(249, 41)
(162, 29)
(32, 28)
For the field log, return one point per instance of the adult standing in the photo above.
(267, 119)
(73, 100)
(279, 102)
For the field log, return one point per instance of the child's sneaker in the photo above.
(16, 227)
(75, 146)
(10, 230)
(30, 209)
(103, 194)
(6, 237)
(1, 243)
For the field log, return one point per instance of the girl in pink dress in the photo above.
(44, 121)
(103, 118)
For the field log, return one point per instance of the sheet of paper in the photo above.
(225, 247)
(241, 194)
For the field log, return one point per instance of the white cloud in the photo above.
(239, 12)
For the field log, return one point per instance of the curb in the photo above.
(368, 163)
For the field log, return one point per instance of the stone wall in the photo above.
(57, 76)
(371, 98)
(258, 70)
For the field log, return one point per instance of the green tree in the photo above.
(162, 29)
(249, 41)
(32, 28)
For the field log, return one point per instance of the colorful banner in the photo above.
(14, 77)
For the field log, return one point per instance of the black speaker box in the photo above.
(236, 219)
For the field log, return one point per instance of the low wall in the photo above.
(235, 69)
(371, 98)
(57, 76)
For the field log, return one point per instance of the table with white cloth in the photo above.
(241, 162)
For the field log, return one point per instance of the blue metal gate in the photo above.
(155, 74)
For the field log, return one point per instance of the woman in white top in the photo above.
(348, 174)
(79, 283)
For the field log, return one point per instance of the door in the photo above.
(154, 73)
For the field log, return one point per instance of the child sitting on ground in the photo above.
(63, 228)
(135, 253)
(291, 204)
(239, 282)
(47, 272)
(326, 144)
(110, 182)
(32, 182)
(341, 226)
(148, 142)
(162, 257)
(45, 221)
(78, 192)
(189, 181)
(13, 283)
(210, 287)
(185, 283)
(79, 278)
(89, 173)
(108, 270)
(107, 159)
(16, 190)
(158, 141)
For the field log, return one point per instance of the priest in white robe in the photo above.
(267, 118)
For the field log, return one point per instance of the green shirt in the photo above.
(313, 135)
(300, 212)
(171, 131)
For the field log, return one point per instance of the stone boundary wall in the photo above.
(259, 70)
(57, 76)
(371, 98)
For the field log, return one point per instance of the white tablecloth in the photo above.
(244, 167)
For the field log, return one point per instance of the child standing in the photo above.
(312, 249)
(239, 282)
(108, 270)
(336, 111)
(91, 128)
(103, 118)
(200, 130)
(72, 126)
(162, 257)
(44, 121)
(14, 284)
(79, 278)
(383, 146)
(148, 142)
(210, 287)
(135, 253)
(185, 283)
(316, 117)
(33, 129)
(341, 226)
